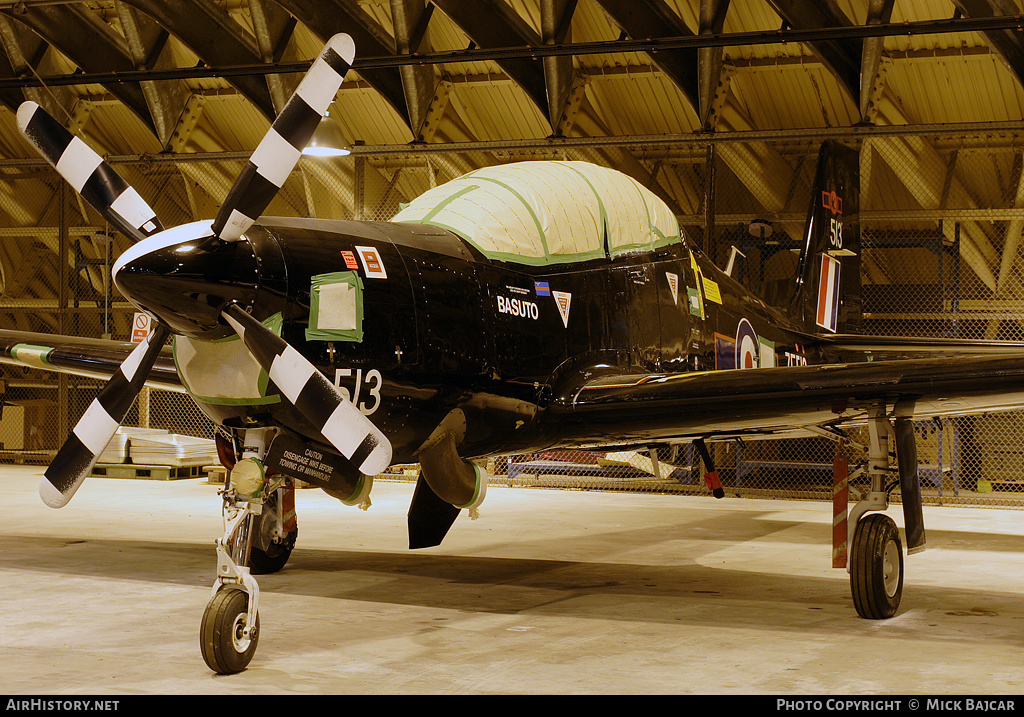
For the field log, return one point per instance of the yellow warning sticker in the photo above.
(711, 291)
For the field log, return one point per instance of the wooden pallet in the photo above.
(145, 472)
(1010, 485)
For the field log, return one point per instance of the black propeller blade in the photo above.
(341, 423)
(278, 152)
(316, 398)
(99, 423)
(86, 171)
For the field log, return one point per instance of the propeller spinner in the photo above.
(316, 398)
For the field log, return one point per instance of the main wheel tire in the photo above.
(274, 557)
(225, 649)
(876, 567)
(265, 562)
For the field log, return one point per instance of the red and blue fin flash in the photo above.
(827, 315)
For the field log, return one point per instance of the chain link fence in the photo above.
(941, 223)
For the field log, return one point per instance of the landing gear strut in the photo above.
(876, 551)
(255, 540)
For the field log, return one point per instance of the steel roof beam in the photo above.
(365, 64)
(216, 38)
(24, 56)
(96, 48)
(146, 41)
(492, 23)
(842, 56)
(325, 18)
(710, 60)
(410, 18)
(555, 29)
(871, 79)
(1005, 42)
(653, 20)
(274, 28)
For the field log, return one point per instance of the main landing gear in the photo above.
(259, 534)
(875, 550)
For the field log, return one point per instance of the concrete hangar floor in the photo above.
(548, 592)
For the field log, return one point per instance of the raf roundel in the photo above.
(747, 347)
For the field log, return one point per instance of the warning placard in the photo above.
(140, 327)
(313, 465)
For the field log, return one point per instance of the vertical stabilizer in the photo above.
(828, 296)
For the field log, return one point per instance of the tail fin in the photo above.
(828, 295)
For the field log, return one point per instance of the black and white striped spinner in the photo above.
(99, 423)
(316, 398)
(279, 151)
(103, 188)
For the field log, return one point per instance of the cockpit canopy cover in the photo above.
(547, 212)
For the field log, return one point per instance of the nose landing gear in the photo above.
(255, 540)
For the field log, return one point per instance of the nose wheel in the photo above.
(230, 628)
(226, 638)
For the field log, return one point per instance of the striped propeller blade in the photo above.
(278, 152)
(316, 398)
(94, 179)
(99, 423)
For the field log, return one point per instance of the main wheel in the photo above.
(265, 562)
(278, 550)
(274, 557)
(225, 647)
(876, 567)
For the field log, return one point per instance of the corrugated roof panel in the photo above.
(973, 88)
(498, 110)
(924, 10)
(643, 102)
(804, 95)
(363, 114)
(528, 10)
(111, 128)
(443, 35)
(754, 16)
(227, 123)
(590, 23)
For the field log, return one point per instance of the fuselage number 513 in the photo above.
(366, 385)
(835, 233)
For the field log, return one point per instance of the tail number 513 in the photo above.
(835, 233)
(365, 384)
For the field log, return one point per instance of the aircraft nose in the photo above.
(185, 276)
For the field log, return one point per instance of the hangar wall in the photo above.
(941, 220)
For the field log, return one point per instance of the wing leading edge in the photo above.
(761, 401)
(93, 358)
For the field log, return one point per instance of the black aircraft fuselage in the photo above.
(449, 329)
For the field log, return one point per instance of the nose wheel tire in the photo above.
(876, 567)
(225, 646)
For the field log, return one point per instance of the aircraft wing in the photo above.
(626, 409)
(94, 358)
(904, 346)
